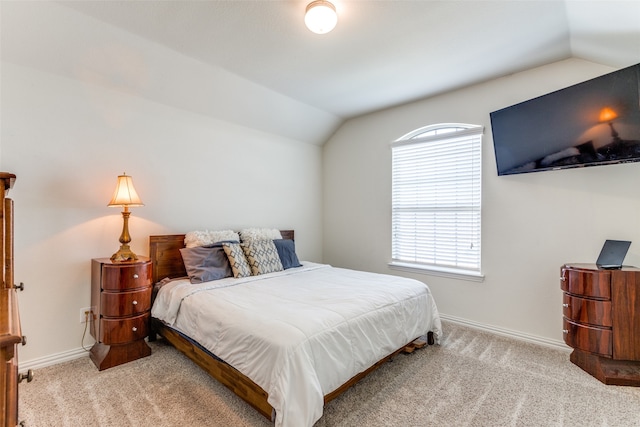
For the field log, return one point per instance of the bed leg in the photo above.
(414, 345)
(152, 332)
(430, 339)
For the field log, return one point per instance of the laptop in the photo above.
(612, 254)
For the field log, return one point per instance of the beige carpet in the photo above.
(472, 379)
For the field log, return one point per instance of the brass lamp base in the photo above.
(124, 254)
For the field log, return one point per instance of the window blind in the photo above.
(436, 201)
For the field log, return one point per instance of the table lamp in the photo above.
(125, 196)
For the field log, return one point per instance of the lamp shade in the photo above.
(321, 16)
(607, 114)
(125, 194)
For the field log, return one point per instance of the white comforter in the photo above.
(301, 333)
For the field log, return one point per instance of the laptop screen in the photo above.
(613, 253)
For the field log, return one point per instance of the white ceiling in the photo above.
(253, 63)
(382, 52)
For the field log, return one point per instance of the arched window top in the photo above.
(438, 130)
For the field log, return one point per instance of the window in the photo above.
(436, 199)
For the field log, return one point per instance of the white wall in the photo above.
(67, 139)
(49, 36)
(531, 223)
(72, 121)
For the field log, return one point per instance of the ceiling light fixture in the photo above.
(321, 16)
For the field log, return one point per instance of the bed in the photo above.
(278, 343)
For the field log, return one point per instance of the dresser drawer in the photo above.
(120, 331)
(592, 284)
(588, 338)
(118, 277)
(9, 384)
(116, 304)
(589, 311)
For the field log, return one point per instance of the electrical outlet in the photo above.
(85, 314)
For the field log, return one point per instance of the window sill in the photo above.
(451, 273)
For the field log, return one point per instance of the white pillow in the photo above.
(205, 237)
(250, 234)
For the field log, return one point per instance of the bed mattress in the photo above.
(303, 332)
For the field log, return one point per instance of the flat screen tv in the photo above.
(596, 122)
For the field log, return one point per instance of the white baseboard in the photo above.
(53, 359)
(534, 339)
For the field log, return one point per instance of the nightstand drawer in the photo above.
(120, 331)
(119, 277)
(117, 304)
(588, 338)
(591, 284)
(589, 311)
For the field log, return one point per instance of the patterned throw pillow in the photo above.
(262, 256)
(238, 262)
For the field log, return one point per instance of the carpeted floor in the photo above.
(471, 379)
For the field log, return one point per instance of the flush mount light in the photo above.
(321, 16)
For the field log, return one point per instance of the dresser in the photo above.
(10, 332)
(120, 304)
(9, 339)
(601, 321)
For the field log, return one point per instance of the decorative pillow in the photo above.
(287, 253)
(206, 237)
(250, 234)
(239, 264)
(204, 264)
(262, 256)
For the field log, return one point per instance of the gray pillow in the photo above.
(206, 263)
(287, 253)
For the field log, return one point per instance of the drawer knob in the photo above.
(565, 331)
(565, 305)
(134, 329)
(135, 276)
(24, 340)
(28, 376)
(135, 302)
(20, 286)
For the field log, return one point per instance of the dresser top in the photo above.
(7, 180)
(108, 261)
(585, 266)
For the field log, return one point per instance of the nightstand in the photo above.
(601, 321)
(121, 304)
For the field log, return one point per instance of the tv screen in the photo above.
(596, 122)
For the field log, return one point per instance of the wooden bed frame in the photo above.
(167, 262)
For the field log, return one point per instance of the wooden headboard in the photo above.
(165, 255)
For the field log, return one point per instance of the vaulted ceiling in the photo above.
(381, 54)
